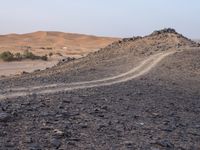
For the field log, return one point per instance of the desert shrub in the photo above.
(49, 48)
(59, 54)
(30, 55)
(18, 56)
(7, 56)
(45, 58)
(50, 54)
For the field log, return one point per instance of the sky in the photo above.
(116, 18)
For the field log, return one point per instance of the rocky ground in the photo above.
(116, 58)
(159, 110)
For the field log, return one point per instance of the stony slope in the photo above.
(114, 59)
(159, 110)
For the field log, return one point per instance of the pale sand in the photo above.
(17, 67)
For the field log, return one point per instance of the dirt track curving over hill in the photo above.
(143, 68)
(137, 93)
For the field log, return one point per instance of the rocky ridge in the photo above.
(126, 52)
(157, 111)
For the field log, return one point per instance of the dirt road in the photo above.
(143, 68)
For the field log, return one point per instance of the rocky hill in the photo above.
(116, 58)
(137, 93)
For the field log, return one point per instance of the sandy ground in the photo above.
(43, 43)
(17, 67)
(13, 68)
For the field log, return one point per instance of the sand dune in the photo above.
(60, 44)
(57, 42)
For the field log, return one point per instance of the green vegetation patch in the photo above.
(8, 56)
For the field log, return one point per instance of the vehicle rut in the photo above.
(143, 68)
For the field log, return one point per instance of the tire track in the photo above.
(142, 69)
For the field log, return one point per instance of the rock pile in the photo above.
(166, 30)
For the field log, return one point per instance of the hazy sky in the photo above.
(121, 18)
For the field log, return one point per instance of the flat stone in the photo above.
(10, 144)
(84, 125)
(35, 147)
(46, 128)
(4, 117)
(165, 143)
(28, 140)
(129, 145)
(58, 134)
(55, 143)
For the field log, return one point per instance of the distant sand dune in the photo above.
(42, 43)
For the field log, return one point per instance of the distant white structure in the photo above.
(65, 48)
(27, 40)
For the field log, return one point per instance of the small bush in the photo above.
(50, 54)
(59, 54)
(49, 48)
(7, 56)
(18, 56)
(30, 55)
(45, 58)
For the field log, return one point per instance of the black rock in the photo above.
(167, 30)
(83, 125)
(35, 147)
(129, 144)
(10, 145)
(165, 143)
(4, 117)
(28, 140)
(58, 134)
(55, 143)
